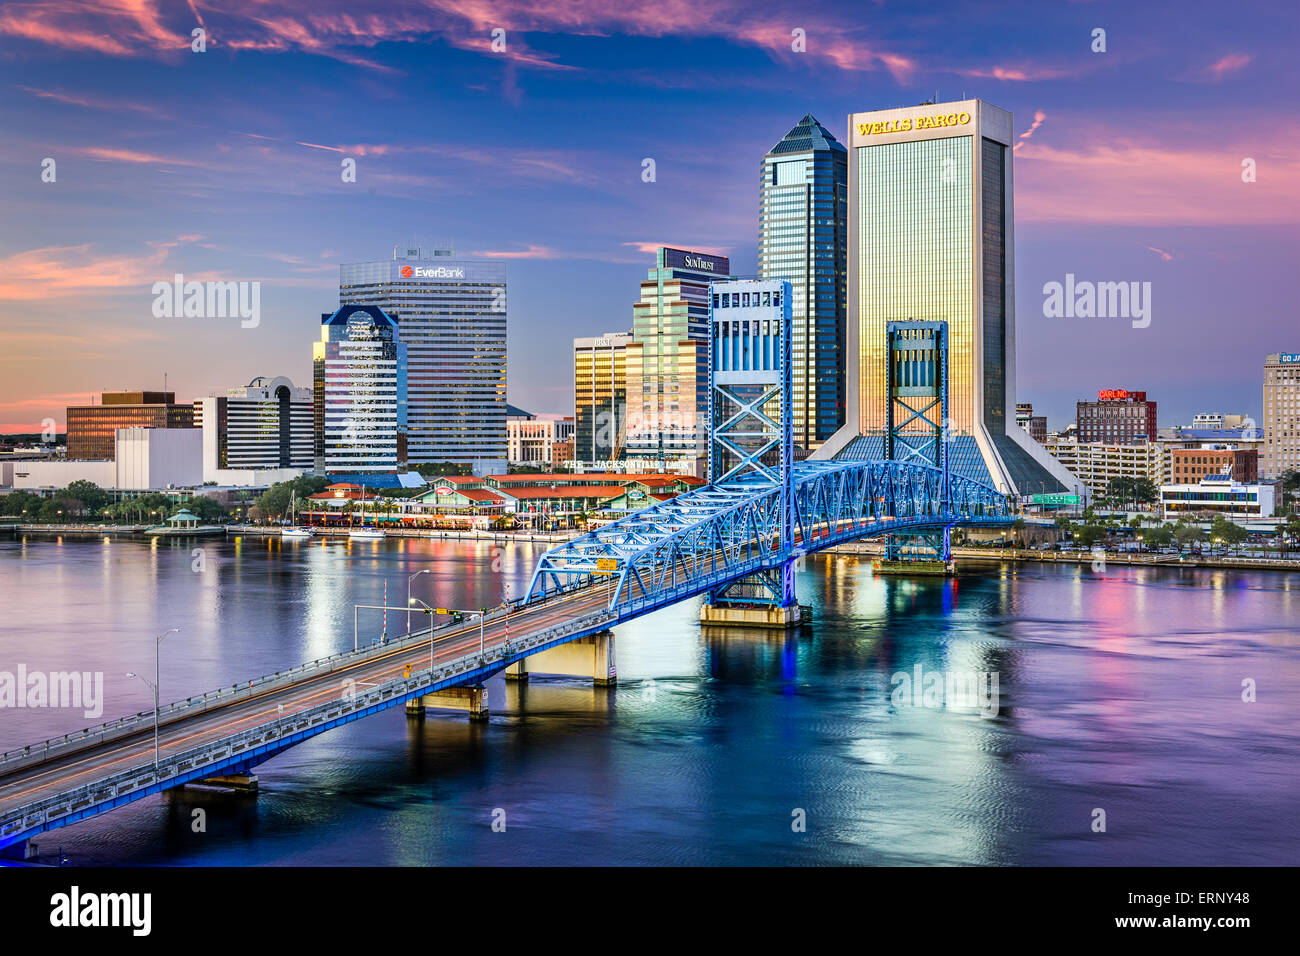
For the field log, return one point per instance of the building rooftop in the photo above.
(580, 491)
(806, 136)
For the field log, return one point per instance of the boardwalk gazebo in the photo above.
(184, 519)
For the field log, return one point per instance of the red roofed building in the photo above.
(344, 491)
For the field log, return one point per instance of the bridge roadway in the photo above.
(83, 765)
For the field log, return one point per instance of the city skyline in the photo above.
(1128, 168)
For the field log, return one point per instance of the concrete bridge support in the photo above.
(472, 699)
(586, 657)
(763, 600)
(233, 781)
(22, 850)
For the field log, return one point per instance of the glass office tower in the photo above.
(803, 238)
(453, 320)
(668, 360)
(930, 239)
(359, 396)
(600, 398)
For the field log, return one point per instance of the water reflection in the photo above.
(1117, 687)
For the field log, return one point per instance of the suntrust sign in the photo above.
(939, 121)
(441, 272)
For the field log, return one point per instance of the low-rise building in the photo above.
(92, 428)
(144, 459)
(1096, 463)
(531, 439)
(1218, 495)
(1190, 465)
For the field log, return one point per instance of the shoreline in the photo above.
(998, 555)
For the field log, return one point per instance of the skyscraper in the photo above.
(360, 408)
(930, 239)
(668, 360)
(1281, 415)
(453, 323)
(600, 398)
(803, 210)
(264, 424)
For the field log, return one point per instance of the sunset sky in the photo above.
(226, 165)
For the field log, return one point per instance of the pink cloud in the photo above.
(95, 103)
(1017, 74)
(1170, 176)
(337, 28)
(1227, 64)
(1039, 116)
(1166, 256)
(532, 252)
(652, 247)
(109, 154)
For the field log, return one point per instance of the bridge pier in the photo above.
(765, 600)
(472, 699)
(22, 850)
(926, 551)
(755, 615)
(586, 657)
(233, 781)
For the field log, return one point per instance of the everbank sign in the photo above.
(441, 272)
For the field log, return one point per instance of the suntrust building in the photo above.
(930, 239)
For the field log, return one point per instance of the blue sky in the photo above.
(225, 165)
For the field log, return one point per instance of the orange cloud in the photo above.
(73, 270)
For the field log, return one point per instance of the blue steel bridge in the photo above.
(736, 540)
(696, 543)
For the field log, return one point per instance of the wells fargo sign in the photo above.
(907, 125)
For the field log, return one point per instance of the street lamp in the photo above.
(431, 612)
(157, 653)
(408, 601)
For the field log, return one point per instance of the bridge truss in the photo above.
(721, 533)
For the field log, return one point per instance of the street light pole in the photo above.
(408, 601)
(157, 668)
(430, 611)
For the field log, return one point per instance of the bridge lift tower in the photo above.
(751, 435)
(916, 429)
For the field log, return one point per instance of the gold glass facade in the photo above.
(600, 397)
(915, 261)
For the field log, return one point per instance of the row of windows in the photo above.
(769, 298)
